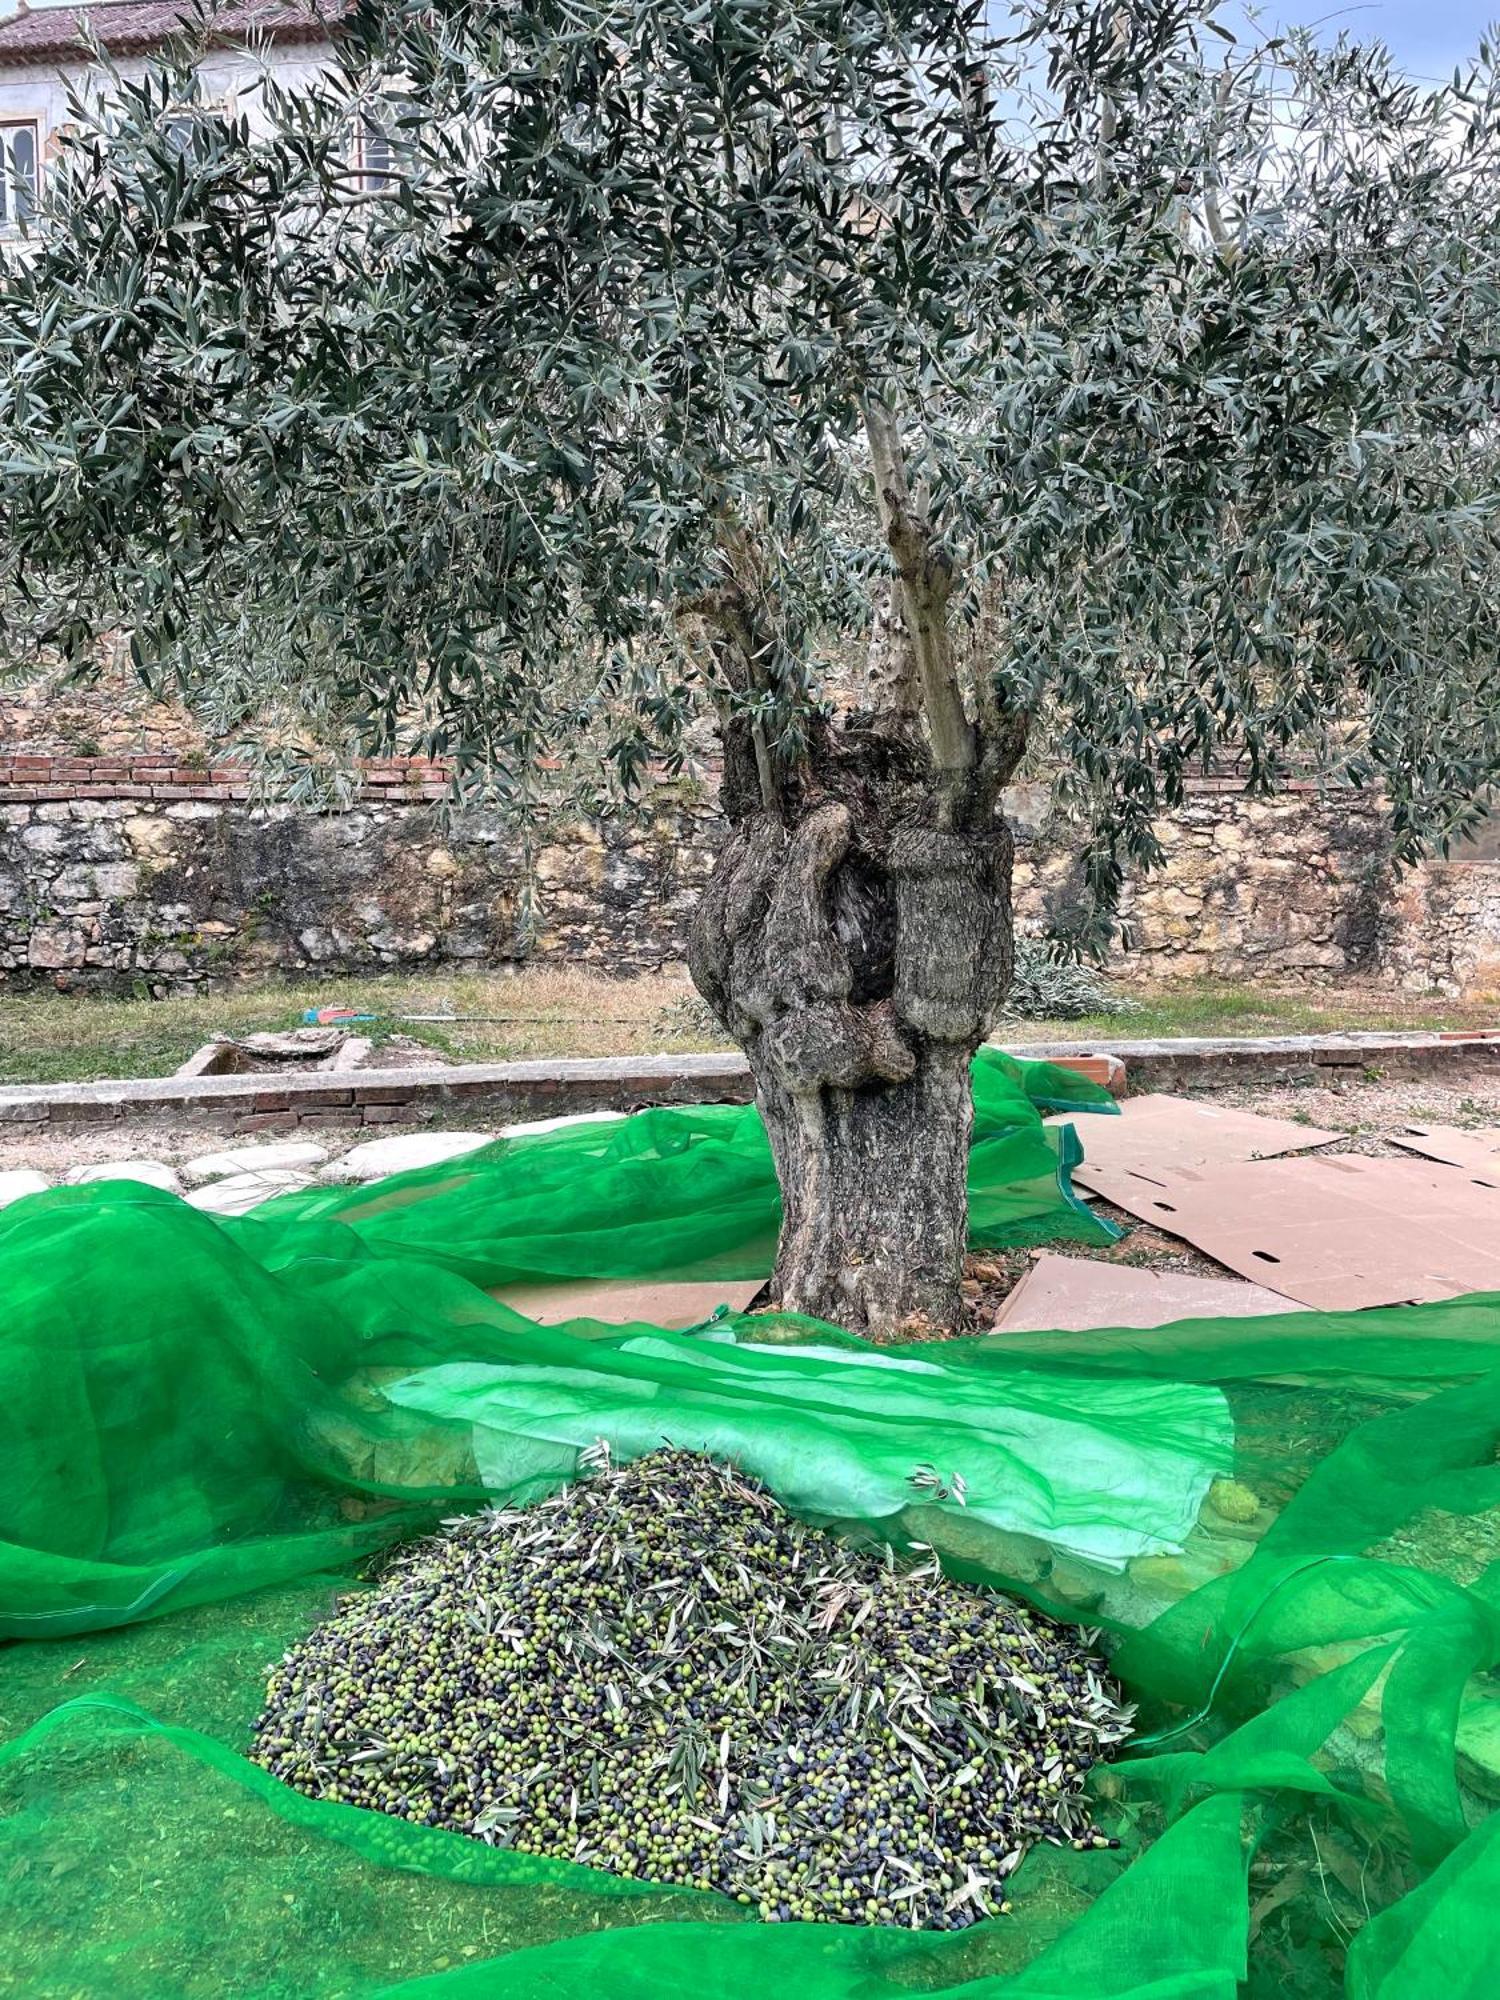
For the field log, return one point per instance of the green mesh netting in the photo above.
(1286, 1527)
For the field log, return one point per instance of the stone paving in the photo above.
(233, 1180)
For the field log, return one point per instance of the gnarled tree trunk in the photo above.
(856, 937)
(856, 942)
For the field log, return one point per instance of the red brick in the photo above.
(1108, 1070)
(267, 1121)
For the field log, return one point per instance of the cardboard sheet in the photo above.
(1073, 1294)
(1158, 1135)
(1478, 1150)
(1336, 1231)
(628, 1301)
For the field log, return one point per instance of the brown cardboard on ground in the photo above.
(1478, 1150)
(622, 1301)
(1074, 1294)
(1337, 1231)
(1159, 1134)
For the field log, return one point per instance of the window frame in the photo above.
(201, 111)
(381, 121)
(12, 222)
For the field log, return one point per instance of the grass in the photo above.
(48, 1037)
(1210, 1007)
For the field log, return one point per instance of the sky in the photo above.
(1427, 37)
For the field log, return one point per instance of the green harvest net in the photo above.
(1286, 1528)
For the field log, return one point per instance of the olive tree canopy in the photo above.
(904, 393)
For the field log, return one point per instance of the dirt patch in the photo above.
(1368, 1109)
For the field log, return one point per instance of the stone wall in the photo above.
(166, 876)
(158, 871)
(1299, 889)
(49, 715)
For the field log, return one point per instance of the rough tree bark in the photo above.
(856, 941)
(858, 954)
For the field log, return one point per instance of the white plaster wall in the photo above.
(229, 78)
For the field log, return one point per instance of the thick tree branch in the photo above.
(1213, 215)
(740, 651)
(892, 688)
(926, 580)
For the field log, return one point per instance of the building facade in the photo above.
(46, 58)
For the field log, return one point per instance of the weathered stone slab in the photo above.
(291, 1156)
(22, 1181)
(152, 1173)
(242, 1192)
(403, 1152)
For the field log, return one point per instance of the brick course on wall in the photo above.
(31, 777)
(159, 870)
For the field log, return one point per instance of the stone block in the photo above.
(21, 1181)
(150, 1173)
(403, 1153)
(296, 1155)
(56, 947)
(243, 1192)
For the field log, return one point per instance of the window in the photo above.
(387, 146)
(377, 157)
(19, 152)
(185, 128)
(177, 129)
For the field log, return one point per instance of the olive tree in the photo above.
(911, 397)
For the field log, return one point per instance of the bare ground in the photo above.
(545, 1009)
(1365, 1110)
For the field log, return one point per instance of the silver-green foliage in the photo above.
(1047, 986)
(1186, 352)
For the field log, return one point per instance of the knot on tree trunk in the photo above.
(780, 952)
(953, 933)
(835, 947)
(841, 1047)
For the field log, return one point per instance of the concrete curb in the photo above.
(387, 1096)
(1183, 1062)
(506, 1091)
